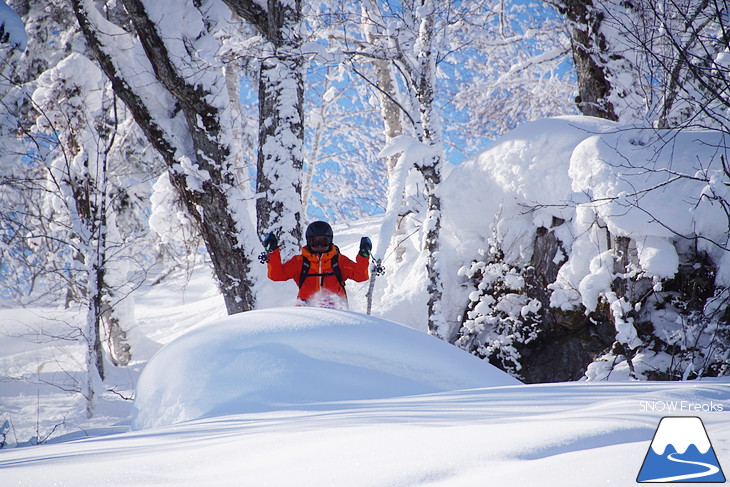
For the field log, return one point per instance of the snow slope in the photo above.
(563, 435)
(513, 435)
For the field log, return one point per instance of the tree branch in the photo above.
(252, 13)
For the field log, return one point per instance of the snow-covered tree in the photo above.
(90, 229)
(281, 120)
(659, 63)
(507, 51)
(424, 78)
(167, 74)
(682, 51)
(500, 319)
(424, 57)
(590, 57)
(343, 175)
(23, 270)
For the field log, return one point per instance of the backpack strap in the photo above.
(336, 271)
(305, 271)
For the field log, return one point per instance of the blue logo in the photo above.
(680, 452)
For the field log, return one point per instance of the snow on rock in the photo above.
(656, 187)
(287, 358)
(657, 256)
(649, 182)
(525, 168)
(590, 181)
(653, 186)
(518, 184)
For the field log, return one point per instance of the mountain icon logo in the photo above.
(680, 452)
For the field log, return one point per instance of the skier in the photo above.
(320, 270)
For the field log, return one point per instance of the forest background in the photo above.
(140, 135)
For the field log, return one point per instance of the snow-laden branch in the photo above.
(412, 152)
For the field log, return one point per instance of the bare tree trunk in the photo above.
(432, 243)
(95, 353)
(233, 84)
(94, 360)
(390, 113)
(116, 338)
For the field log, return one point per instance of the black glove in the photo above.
(366, 247)
(271, 243)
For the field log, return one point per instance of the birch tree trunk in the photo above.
(431, 169)
(391, 116)
(281, 121)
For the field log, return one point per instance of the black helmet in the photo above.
(319, 229)
(319, 236)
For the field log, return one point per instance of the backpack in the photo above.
(336, 271)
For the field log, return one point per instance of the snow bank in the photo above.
(287, 358)
(518, 184)
(525, 168)
(658, 187)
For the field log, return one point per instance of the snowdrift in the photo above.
(656, 187)
(290, 358)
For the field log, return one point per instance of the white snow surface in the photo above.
(293, 357)
(565, 434)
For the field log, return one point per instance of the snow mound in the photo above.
(286, 358)
(525, 168)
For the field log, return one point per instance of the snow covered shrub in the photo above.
(500, 318)
(682, 326)
(690, 335)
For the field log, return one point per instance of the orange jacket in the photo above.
(318, 264)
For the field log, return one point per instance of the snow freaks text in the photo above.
(680, 407)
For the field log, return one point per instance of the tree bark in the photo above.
(281, 118)
(209, 208)
(280, 159)
(589, 44)
(431, 170)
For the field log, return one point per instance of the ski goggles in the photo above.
(320, 242)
